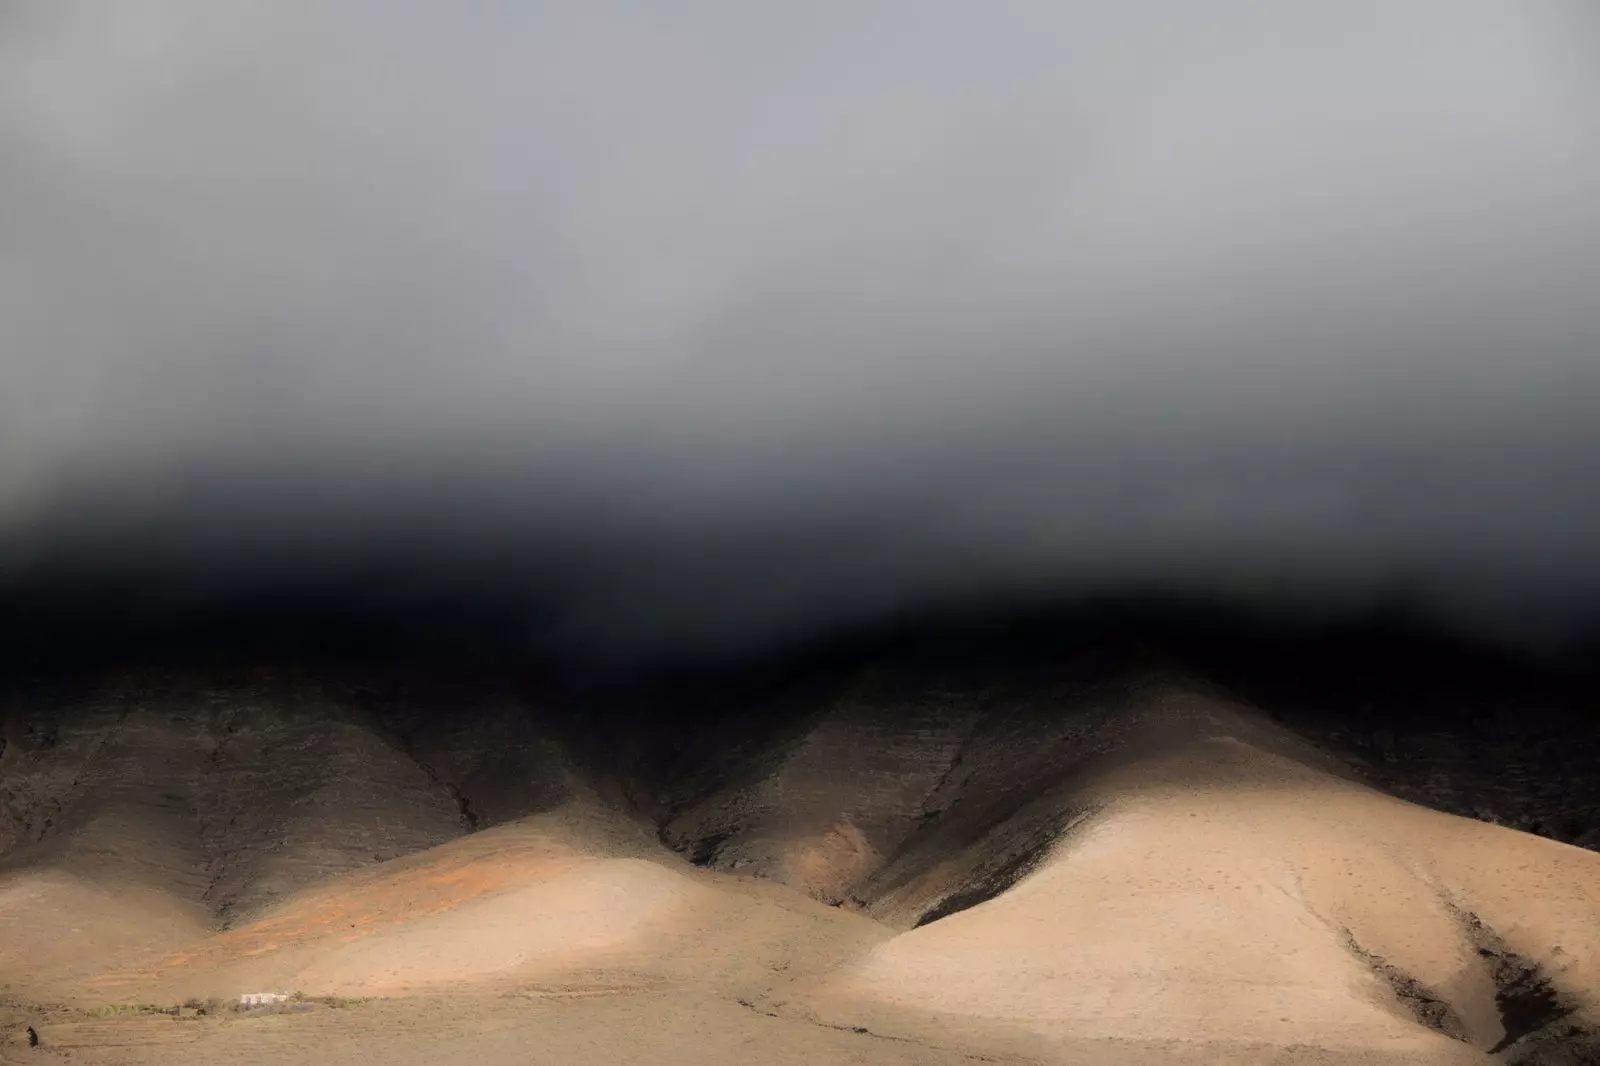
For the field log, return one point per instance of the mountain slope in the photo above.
(1140, 857)
(1117, 865)
(1219, 892)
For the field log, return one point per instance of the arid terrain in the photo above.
(1063, 532)
(1080, 863)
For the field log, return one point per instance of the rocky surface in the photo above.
(1541, 777)
(235, 792)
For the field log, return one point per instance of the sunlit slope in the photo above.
(1215, 891)
(579, 894)
(894, 775)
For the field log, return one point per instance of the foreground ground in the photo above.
(556, 1025)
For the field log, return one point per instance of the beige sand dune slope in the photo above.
(1141, 859)
(1219, 892)
(140, 814)
(577, 894)
(58, 929)
(890, 773)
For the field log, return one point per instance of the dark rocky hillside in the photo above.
(247, 781)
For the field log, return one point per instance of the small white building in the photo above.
(262, 999)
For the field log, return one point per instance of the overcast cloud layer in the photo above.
(698, 321)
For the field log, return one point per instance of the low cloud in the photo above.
(693, 325)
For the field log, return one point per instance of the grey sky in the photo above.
(715, 317)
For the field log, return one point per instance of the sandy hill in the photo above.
(579, 894)
(846, 801)
(1215, 891)
(154, 810)
(1141, 858)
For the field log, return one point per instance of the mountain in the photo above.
(1071, 857)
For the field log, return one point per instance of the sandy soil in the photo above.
(672, 1027)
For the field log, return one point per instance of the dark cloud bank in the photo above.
(662, 327)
